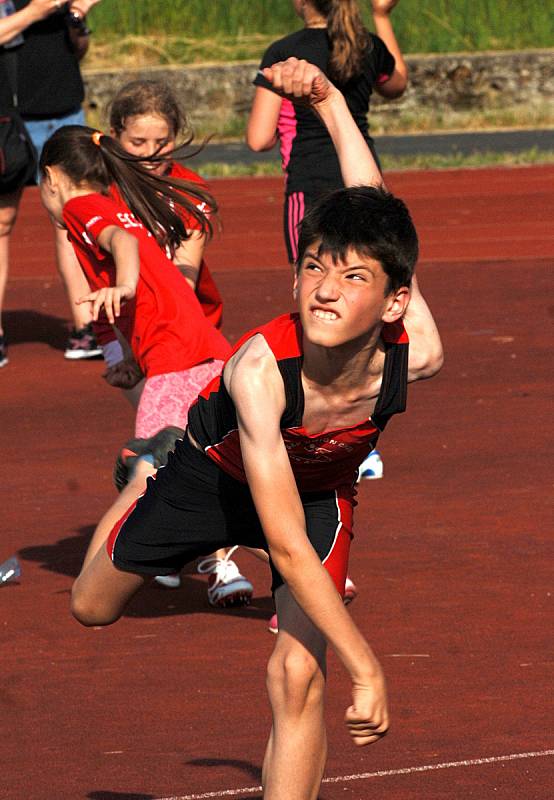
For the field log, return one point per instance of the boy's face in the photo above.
(341, 302)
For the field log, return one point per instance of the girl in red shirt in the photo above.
(123, 220)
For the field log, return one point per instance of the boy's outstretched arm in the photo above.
(300, 80)
(256, 387)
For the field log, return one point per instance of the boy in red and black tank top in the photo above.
(321, 461)
(270, 452)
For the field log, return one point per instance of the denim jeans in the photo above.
(42, 129)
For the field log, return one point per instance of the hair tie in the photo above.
(96, 136)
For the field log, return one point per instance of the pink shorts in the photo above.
(166, 399)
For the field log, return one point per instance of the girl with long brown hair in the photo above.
(121, 218)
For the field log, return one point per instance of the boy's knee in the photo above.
(295, 678)
(8, 217)
(88, 612)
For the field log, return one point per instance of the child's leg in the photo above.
(8, 213)
(129, 494)
(102, 591)
(297, 748)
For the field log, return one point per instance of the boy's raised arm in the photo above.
(426, 354)
(301, 81)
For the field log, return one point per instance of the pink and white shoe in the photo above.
(226, 586)
(350, 591)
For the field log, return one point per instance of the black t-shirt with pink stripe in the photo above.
(307, 151)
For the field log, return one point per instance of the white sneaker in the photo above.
(371, 468)
(226, 586)
(169, 581)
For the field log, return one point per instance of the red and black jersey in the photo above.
(321, 461)
(167, 329)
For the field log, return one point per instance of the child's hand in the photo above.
(367, 719)
(111, 298)
(300, 80)
(43, 8)
(383, 7)
(82, 7)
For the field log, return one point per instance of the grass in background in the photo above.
(184, 31)
(427, 161)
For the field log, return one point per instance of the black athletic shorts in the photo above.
(192, 508)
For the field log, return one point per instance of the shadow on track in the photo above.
(65, 557)
(25, 325)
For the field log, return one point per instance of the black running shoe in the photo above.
(82, 344)
(159, 446)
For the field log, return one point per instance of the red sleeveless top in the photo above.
(320, 461)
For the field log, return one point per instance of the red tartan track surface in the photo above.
(452, 556)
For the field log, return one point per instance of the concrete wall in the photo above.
(217, 93)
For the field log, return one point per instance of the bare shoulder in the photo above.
(252, 372)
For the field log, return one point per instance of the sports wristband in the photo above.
(77, 22)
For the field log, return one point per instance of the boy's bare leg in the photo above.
(122, 503)
(101, 592)
(297, 748)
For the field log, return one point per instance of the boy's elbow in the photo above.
(433, 364)
(286, 559)
(427, 362)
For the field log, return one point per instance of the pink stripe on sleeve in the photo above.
(286, 128)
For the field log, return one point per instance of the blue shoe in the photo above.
(371, 468)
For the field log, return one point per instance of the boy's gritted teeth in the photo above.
(324, 314)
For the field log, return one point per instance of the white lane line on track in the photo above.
(385, 773)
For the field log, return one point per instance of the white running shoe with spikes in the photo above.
(226, 586)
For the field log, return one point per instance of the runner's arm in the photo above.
(300, 80)
(125, 252)
(426, 354)
(188, 256)
(256, 387)
(395, 86)
(261, 131)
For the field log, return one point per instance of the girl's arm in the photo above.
(124, 249)
(261, 132)
(302, 81)
(396, 84)
(188, 256)
(426, 354)
(256, 387)
(16, 23)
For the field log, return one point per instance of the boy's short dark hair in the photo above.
(370, 221)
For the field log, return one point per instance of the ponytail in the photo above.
(348, 36)
(97, 160)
